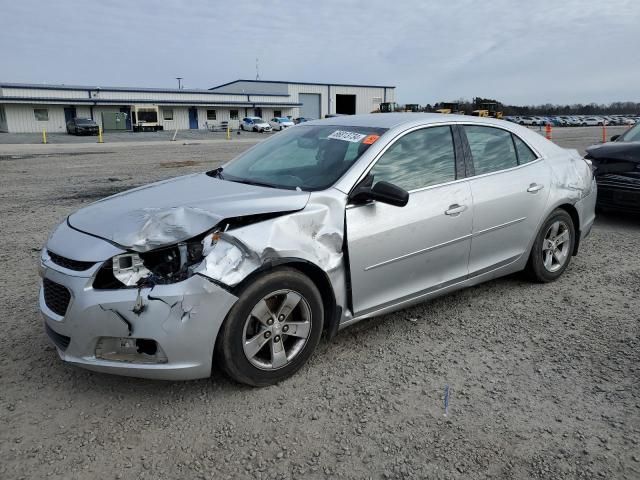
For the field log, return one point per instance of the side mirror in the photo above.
(382, 191)
(614, 138)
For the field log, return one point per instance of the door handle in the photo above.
(535, 188)
(455, 210)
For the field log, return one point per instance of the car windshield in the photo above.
(308, 157)
(84, 121)
(256, 120)
(282, 119)
(631, 135)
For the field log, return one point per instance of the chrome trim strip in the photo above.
(418, 252)
(498, 227)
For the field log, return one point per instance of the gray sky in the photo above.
(520, 52)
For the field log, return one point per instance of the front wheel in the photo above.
(272, 330)
(553, 248)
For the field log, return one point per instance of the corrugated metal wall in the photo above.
(3, 120)
(21, 118)
(367, 98)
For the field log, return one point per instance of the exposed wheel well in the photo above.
(317, 276)
(575, 218)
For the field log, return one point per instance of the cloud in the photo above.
(519, 52)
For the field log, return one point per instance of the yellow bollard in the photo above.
(228, 132)
(44, 136)
(100, 135)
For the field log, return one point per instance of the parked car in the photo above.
(244, 266)
(617, 169)
(301, 120)
(280, 123)
(526, 121)
(592, 121)
(255, 124)
(82, 126)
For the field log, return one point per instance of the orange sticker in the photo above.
(370, 139)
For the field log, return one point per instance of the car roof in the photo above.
(391, 120)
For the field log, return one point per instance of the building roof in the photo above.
(40, 86)
(303, 83)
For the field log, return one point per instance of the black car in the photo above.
(82, 126)
(617, 170)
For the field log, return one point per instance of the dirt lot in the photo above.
(544, 378)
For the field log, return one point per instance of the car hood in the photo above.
(625, 151)
(176, 210)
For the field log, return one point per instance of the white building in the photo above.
(318, 99)
(33, 107)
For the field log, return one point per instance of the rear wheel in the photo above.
(272, 330)
(553, 248)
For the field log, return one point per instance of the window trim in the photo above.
(46, 109)
(166, 110)
(460, 176)
(469, 157)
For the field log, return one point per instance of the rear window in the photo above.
(525, 154)
(492, 149)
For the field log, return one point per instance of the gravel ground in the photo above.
(543, 378)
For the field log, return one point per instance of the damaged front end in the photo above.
(155, 311)
(617, 171)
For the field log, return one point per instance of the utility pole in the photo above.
(179, 82)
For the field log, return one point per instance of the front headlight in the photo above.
(161, 266)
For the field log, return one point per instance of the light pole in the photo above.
(179, 82)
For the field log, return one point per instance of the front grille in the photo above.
(60, 341)
(56, 297)
(76, 265)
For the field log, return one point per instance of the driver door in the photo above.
(400, 253)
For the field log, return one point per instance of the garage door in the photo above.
(310, 105)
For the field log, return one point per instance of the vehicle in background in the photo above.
(450, 107)
(386, 107)
(301, 120)
(144, 118)
(617, 169)
(280, 123)
(254, 124)
(488, 109)
(318, 227)
(82, 126)
(592, 122)
(527, 121)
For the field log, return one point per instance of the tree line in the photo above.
(478, 103)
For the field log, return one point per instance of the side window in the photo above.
(492, 149)
(525, 154)
(418, 159)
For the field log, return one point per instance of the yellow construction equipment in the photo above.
(450, 107)
(388, 107)
(489, 109)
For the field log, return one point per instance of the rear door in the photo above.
(399, 253)
(510, 188)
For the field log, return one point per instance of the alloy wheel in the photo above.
(277, 329)
(555, 246)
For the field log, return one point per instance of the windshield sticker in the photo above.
(352, 137)
(370, 139)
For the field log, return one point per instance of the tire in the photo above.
(261, 366)
(549, 258)
(242, 127)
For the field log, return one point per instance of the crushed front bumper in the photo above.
(183, 319)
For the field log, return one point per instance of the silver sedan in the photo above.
(326, 224)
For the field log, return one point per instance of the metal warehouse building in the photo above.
(33, 107)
